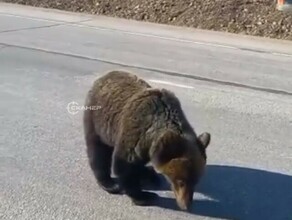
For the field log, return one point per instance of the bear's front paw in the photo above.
(144, 198)
(111, 186)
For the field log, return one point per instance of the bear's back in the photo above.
(110, 93)
(150, 112)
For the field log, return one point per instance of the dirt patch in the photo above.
(252, 17)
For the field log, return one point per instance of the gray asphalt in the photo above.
(236, 88)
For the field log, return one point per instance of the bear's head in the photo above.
(182, 161)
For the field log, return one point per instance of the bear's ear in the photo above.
(204, 139)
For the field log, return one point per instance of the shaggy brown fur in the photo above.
(135, 125)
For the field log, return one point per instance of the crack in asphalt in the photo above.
(2, 47)
(44, 26)
(161, 71)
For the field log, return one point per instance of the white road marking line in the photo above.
(282, 54)
(171, 84)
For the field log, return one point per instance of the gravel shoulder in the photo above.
(250, 17)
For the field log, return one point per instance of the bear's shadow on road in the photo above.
(240, 193)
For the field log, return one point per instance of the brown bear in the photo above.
(127, 125)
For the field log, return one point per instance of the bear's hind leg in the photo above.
(100, 158)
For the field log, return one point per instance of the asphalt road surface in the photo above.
(237, 88)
